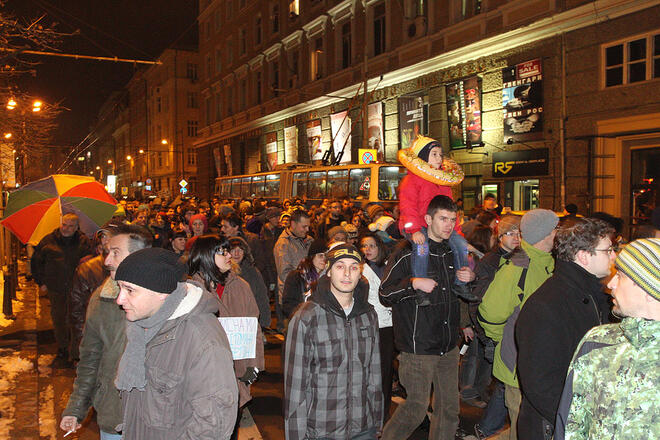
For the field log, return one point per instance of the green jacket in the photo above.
(611, 390)
(503, 300)
(103, 342)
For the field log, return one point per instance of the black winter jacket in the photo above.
(550, 325)
(55, 259)
(431, 329)
(89, 275)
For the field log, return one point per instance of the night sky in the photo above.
(139, 29)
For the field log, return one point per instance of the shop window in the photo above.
(634, 60)
(379, 29)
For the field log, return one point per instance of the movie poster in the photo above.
(340, 124)
(411, 119)
(314, 140)
(291, 144)
(464, 112)
(375, 127)
(230, 168)
(522, 99)
(271, 151)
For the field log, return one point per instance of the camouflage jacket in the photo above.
(612, 389)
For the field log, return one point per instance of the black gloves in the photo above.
(250, 376)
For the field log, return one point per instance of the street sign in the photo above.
(148, 181)
(183, 183)
(147, 187)
(124, 190)
(367, 155)
(184, 190)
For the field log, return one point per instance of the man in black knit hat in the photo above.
(176, 374)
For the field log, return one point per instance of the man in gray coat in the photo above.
(176, 376)
(103, 342)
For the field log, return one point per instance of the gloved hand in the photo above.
(250, 376)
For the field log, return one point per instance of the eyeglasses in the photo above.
(222, 251)
(608, 250)
(512, 234)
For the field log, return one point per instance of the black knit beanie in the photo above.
(155, 269)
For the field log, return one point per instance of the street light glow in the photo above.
(98, 167)
(141, 151)
(11, 104)
(91, 172)
(163, 141)
(129, 157)
(36, 106)
(109, 161)
(7, 135)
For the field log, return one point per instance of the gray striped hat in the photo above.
(640, 261)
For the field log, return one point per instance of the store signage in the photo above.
(522, 99)
(340, 124)
(524, 163)
(112, 183)
(464, 112)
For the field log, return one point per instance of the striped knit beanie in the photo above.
(640, 261)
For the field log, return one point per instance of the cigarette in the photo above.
(69, 432)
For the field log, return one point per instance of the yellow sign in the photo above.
(124, 190)
(367, 155)
(503, 167)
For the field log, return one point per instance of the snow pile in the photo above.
(47, 420)
(11, 364)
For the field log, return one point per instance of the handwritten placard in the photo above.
(242, 335)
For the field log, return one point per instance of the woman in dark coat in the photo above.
(299, 282)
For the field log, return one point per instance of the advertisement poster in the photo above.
(464, 112)
(314, 140)
(522, 99)
(411, 119)
(340, 124)
(230, 169)
(290, 144)
(376, 132)
(521, 163)
(271, 151)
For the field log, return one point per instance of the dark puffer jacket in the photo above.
(88, 277)
(56, 258)
(422, 329)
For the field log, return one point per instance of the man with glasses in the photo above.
(612, 383)
(556, 317)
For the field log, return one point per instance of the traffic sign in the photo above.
(148, 181)
(183, 183)
(124, 190)
(367, 155)
(183, 190)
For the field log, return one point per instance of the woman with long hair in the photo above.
(374, 253)
(242, 256)
(299, 283)
(211, 265)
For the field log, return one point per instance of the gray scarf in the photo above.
(131, 372)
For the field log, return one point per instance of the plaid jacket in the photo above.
(332, 381)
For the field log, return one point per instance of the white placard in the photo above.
(242, 335)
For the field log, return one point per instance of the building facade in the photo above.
(542, 102)
(146, 132)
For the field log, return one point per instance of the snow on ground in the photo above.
(11, 364)
(47, 421)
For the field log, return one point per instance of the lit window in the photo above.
(316, 60)
(294, 8)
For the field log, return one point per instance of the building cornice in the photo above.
(343, 10)
(568, 21)
(256, 62)
(241, 72)
(292, 40)
(316, 26)
(273, 52)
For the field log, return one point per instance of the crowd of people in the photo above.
(549, 323)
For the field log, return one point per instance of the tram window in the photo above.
(388, 182)
(317, 185)
(257, 186)
(272, 188)
(337, 183)
(225, 187)
(245, 187)
(360, 182)
(235, 188)
(299, 185)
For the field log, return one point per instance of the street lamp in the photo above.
(7, 135)
(129, 157)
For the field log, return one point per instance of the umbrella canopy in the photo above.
(34, 210)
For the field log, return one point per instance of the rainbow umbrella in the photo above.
(34, 210)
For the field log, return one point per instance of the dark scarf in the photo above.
(131, 372)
